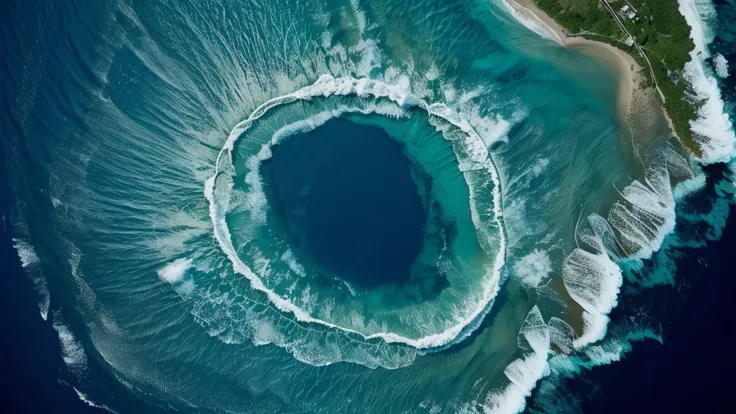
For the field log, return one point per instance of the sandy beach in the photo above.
(626, 68)
(528, 9)
(637, 105)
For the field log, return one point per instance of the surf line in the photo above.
(327, 85)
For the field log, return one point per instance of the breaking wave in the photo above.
(720, 65)
(31, 263)
(713, 128)
(473, 161)
(539, 222)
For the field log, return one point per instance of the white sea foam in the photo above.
(593, 280)
(290, 259)
(496, 130)
(713, 128)
(256, 201)
(478, 158)
(533, 268)
(687, 187)
(642, 220)
(369, 56)
(529, 20)
(359, 16)
(72, 351)
(174, 272)
(433, 73)
(26, 253)
(534, 333)
(84, 398)
(539, 166)
(561, 335)
(31, 264)
(647, 215)
(595, 326)
(720, 65)
(524, 372)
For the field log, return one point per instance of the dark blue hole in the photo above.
(346, 195)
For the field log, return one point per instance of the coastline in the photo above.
(637, 106)
(626, 69)
(624, 66)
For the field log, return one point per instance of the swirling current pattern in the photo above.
(139, 147)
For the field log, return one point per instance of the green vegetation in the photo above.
(659, 31)
(581, 16)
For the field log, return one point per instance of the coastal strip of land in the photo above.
(654, 34)
(632, 88)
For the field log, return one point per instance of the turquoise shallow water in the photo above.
(328, 206)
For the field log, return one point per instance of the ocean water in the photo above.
(332, 206)
(353, 219)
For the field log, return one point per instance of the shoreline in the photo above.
(636, 104)
(623, 65)
(632, 90)
(625, 68)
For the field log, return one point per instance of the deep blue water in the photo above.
(351, 206)
(33, 375)
(692, 369)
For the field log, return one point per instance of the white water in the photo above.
(478, 158)
(84, 398)
(26, 253)
(174, 272)
(521, 375)
(31, 263)
(226, 313)
(533, 268)
(72, 351)
(524, 372)
(720, 64)
(713, 128)
(643, 219)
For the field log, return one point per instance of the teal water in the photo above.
(326, 206)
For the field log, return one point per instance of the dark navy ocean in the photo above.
(355, 206)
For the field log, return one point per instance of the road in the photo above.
(636, 45)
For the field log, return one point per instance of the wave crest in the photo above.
(473, 161)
